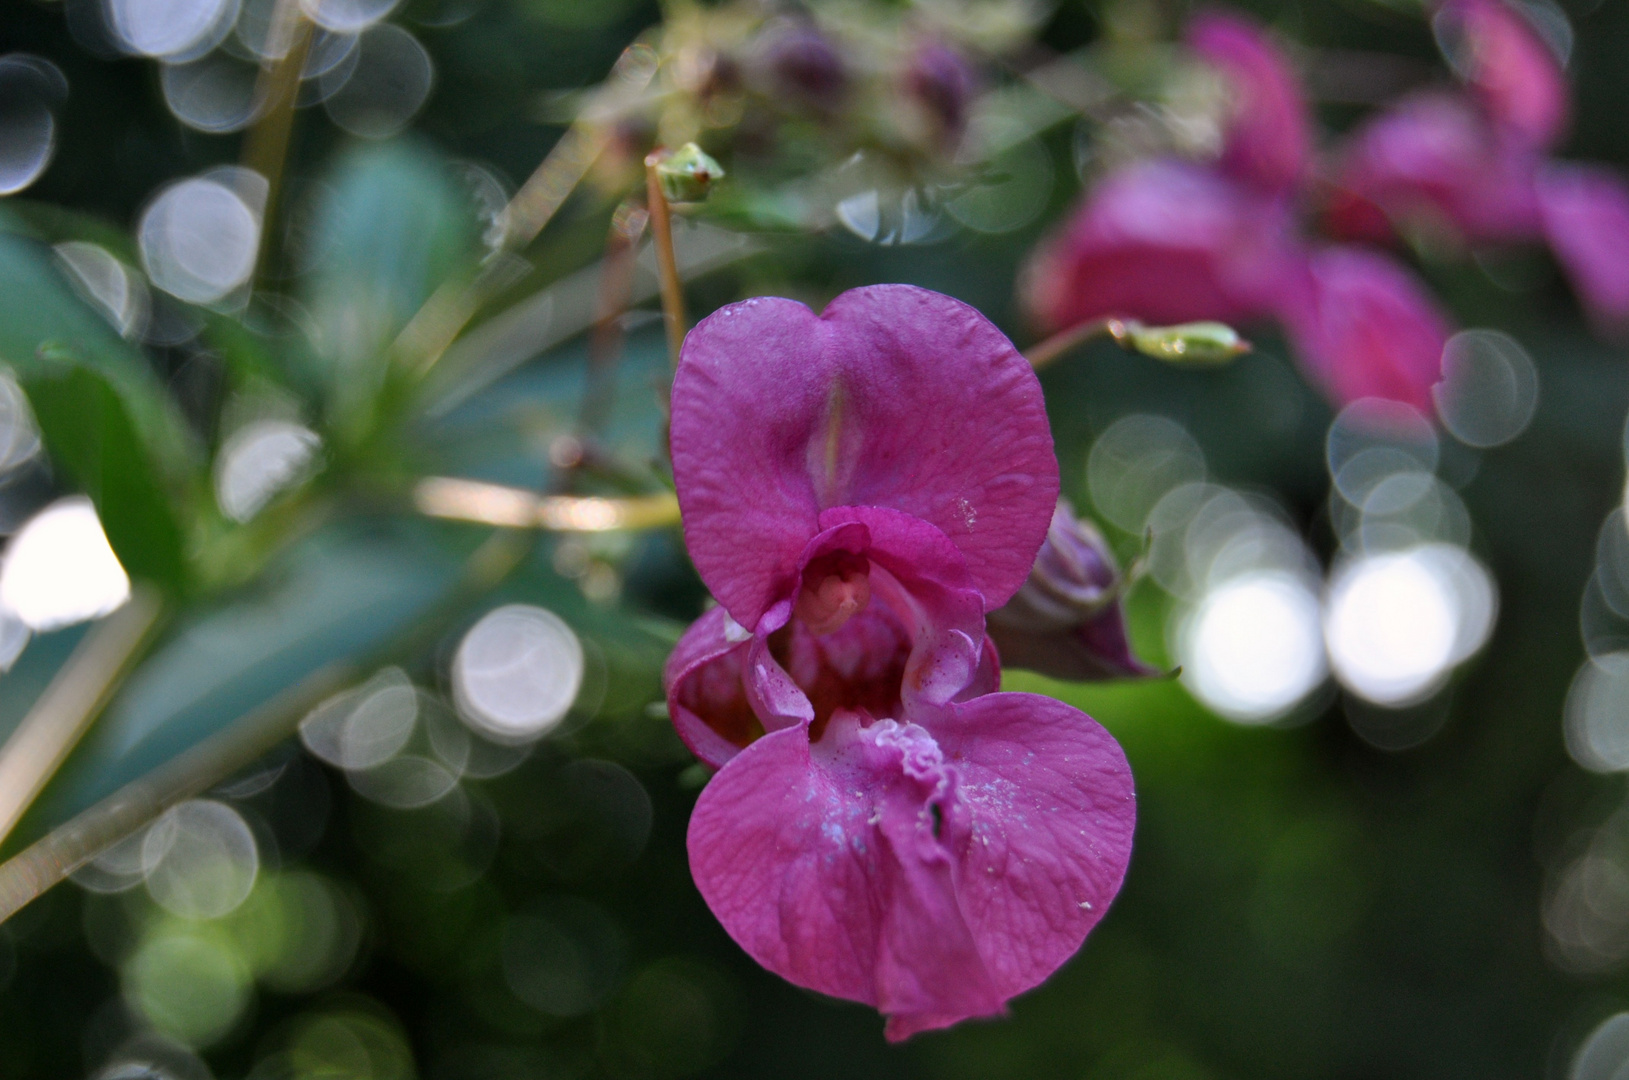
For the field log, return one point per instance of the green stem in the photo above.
(667, 263)
(1045, 352)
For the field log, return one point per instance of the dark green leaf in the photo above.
(38, 307)
(90, 437)
(339, 596)
(392, 226)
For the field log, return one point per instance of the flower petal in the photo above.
(1268, 138)
(1586, 219)
(827, 873)
(1051, 811)
(1164, 242)
(1433, 162)
(895, 397)
(1364, 326)
(926, 581)
(706, 698)
(931, 871)
(1514, 72)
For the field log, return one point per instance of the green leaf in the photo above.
(393, 225)
(90, 437)
(38, 307)
(339, 596)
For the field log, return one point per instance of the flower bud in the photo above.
(804, 67)
(1192, 343)
(943, 83)
(687, 174)
(1066, 621)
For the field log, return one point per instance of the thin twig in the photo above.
(516, 508)
(73, 700)
(667, 264)
(265, 149)
(71, 845)
(616, 290)
(436, 325)
(1043, 353)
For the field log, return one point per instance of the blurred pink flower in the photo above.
(1268, 133)
(1471, 166)
(1169, 241)
(858, 489)
(1364, 328)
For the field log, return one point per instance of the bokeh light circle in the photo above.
(517, 673)
(30, 88)
(1597, 714)
(347, 16)
(198, 240)
(178, 29)
(259, 460)
(389, 83)
(1489, 388)
(1252, 648)
(1135, 462)
(59, 568)
(201, 859)
(1397, 622)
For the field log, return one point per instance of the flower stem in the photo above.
(667, 264)
(65, 711)
(1044, 352)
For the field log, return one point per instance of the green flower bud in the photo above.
(1189, 343)
(687, 174)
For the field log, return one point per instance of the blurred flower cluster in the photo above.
(1221, 223)
(818, 83)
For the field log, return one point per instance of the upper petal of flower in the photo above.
(933, 872)
(1166, 242)
(1510, 67)
(1586, 220)
(895, 397)
(1365, 327)
(1268, 136)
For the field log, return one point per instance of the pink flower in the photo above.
(1364, 328)
(858, 489)
(1168, 241)
(1472, 165)
(1268, 134)
(1510, 69)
